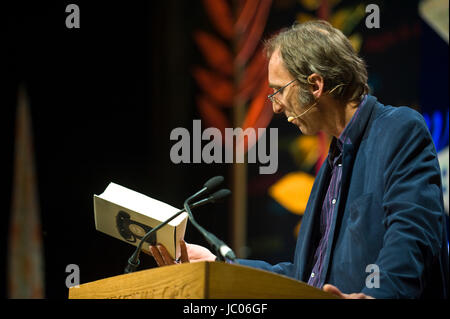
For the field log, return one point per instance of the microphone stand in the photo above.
(133, 261)
(215, 242)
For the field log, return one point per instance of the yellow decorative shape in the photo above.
(307, 147)
(297, 229)
(292, 191)
(356, 41)
(305, 150)
(310, 4)
(346, 19)
(339, 18)
(304, 17)
(315, 4)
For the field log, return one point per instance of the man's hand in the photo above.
(335, 291)
(189, 253)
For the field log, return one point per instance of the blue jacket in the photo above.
(389, 214)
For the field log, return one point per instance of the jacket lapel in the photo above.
(312, 211)
(348, 158)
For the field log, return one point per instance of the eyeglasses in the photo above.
(272, 97)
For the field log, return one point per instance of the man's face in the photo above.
(287, 100)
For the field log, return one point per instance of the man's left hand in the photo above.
(335, 291)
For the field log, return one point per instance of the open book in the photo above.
(128, 215)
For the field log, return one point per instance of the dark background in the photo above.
(105, 97)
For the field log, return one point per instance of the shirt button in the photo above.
(312, 275)
(333, 201)
(339, 165)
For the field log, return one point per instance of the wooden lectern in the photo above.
(203, 280)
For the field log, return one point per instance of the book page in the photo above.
(141, 203)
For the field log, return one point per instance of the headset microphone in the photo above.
(291, 118)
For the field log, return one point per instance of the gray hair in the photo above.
(318, 47)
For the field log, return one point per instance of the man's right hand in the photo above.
(189, 253)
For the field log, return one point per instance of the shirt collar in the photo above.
(337, 144)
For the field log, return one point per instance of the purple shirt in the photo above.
(329, 205)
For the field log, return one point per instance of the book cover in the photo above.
(128, 215)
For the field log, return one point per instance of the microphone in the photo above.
(208, 186)
(213, 182)
(291, 118)
(214, 198)
(133, 261)
(222, 250)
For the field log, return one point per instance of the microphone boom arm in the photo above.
(133, 261)
(223, 252)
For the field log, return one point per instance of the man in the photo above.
(377, 200)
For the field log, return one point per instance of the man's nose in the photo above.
(277, 107)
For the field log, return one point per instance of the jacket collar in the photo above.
(351, 131)
(358, 128)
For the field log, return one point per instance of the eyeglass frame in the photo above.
(271, 96)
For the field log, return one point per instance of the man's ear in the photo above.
(316, 85)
